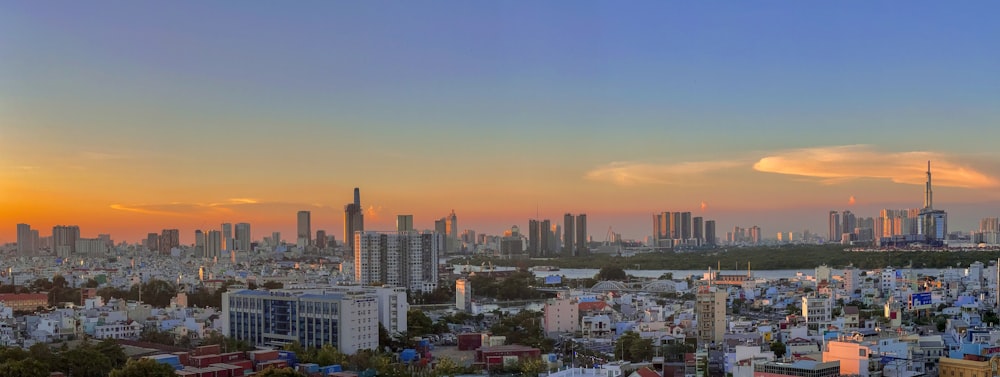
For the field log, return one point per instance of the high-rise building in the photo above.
(835, 227)
(404, 259)
(540, 238)
(685, 226)
(169, 239)
(213, 244)
(569, 234)
(675, 225)
(932, 223)
(404, 223)
(463, 295)
(710, 233)
(347, 319)
(451, 225)
(275, 239)
(64, 239)
(710, 313)
(848, 222)
(989, 224)
(199, 244)
(534, 239)
(25, 240)
(243, 237)
(354, 220)
(153, 241)
(321, 239)
(755, 235)
(698, 233)
(582, 246)
(227, 237)
(304, 236)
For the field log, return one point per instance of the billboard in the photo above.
(920, 300)
(553, 279)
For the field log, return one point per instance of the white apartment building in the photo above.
(817, 309)
(122, 330)
(562, 315)
(403, 259)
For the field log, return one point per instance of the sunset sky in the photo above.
(131, 117)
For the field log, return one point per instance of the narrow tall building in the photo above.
(710, 233)
(303, 238)
(25, 240)
(354, 220)
(582, 244)
(710, 312)
(227, 237)
(932, 223)
(169, 239)
(64, 239)
(835, 227)
(243, 237)
(213, 244)
(569, 234)
(698, 227)
(451, 232)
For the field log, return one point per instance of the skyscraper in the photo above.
(404, 259)
(685, 226)
(213, 244)
(710, 233)
(932, 223)
(404, 223)
(303, 238)
(835, 227)
(25, 240)
(64, 239)
(451, 232)
(321, 239)
(534, 239)
(169, 239)
(227, 236)
(582, 246)
(199, 244)
(354, 220)
(243, 237)
(152, 241)
(698, 223)
(569, 234)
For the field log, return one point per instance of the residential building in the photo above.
(817, 309)
(304, 234)
(25, 240)
(349, 320)
(562, 315)
(463, 295)
(801, 368)
(406, 259)
(710, 312)
(243, 237)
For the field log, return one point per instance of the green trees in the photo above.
(779, 349)
(143, 368)
(611, 273)
(24, 368)
(525, 328)
(630, 346)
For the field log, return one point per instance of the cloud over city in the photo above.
(841, 163)
(638, 173)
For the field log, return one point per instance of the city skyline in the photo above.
(126, 119)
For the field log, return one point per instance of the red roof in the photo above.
(595, 305)
(646, 372)
(23, 296)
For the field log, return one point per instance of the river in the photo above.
(580, 273)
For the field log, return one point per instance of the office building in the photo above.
(932, 223)
(451, 232)
(321, 239)
(511, 242)
(354, 220)
(243, 237)
(199, 244)
(835, 227)
(392, 308)
(685, 226)
(404, 259)
(303, 237)
(463, 295)
(152, 241)
(540, 238)
(346, 319)
(569, 234)
(25, 240)
(797, 368)
(710, 313)
(169, 239)
(404, 223)
(227, 237)
(64, 240)
(582, 244)
(93, 247)
(710, 233)
(213, 244)
(698, 229)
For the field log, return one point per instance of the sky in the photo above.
(131, 117)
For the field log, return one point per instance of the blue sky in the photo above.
(212, 101)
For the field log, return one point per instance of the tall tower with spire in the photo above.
(928, 194)
(932, 223)
(354, 220)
